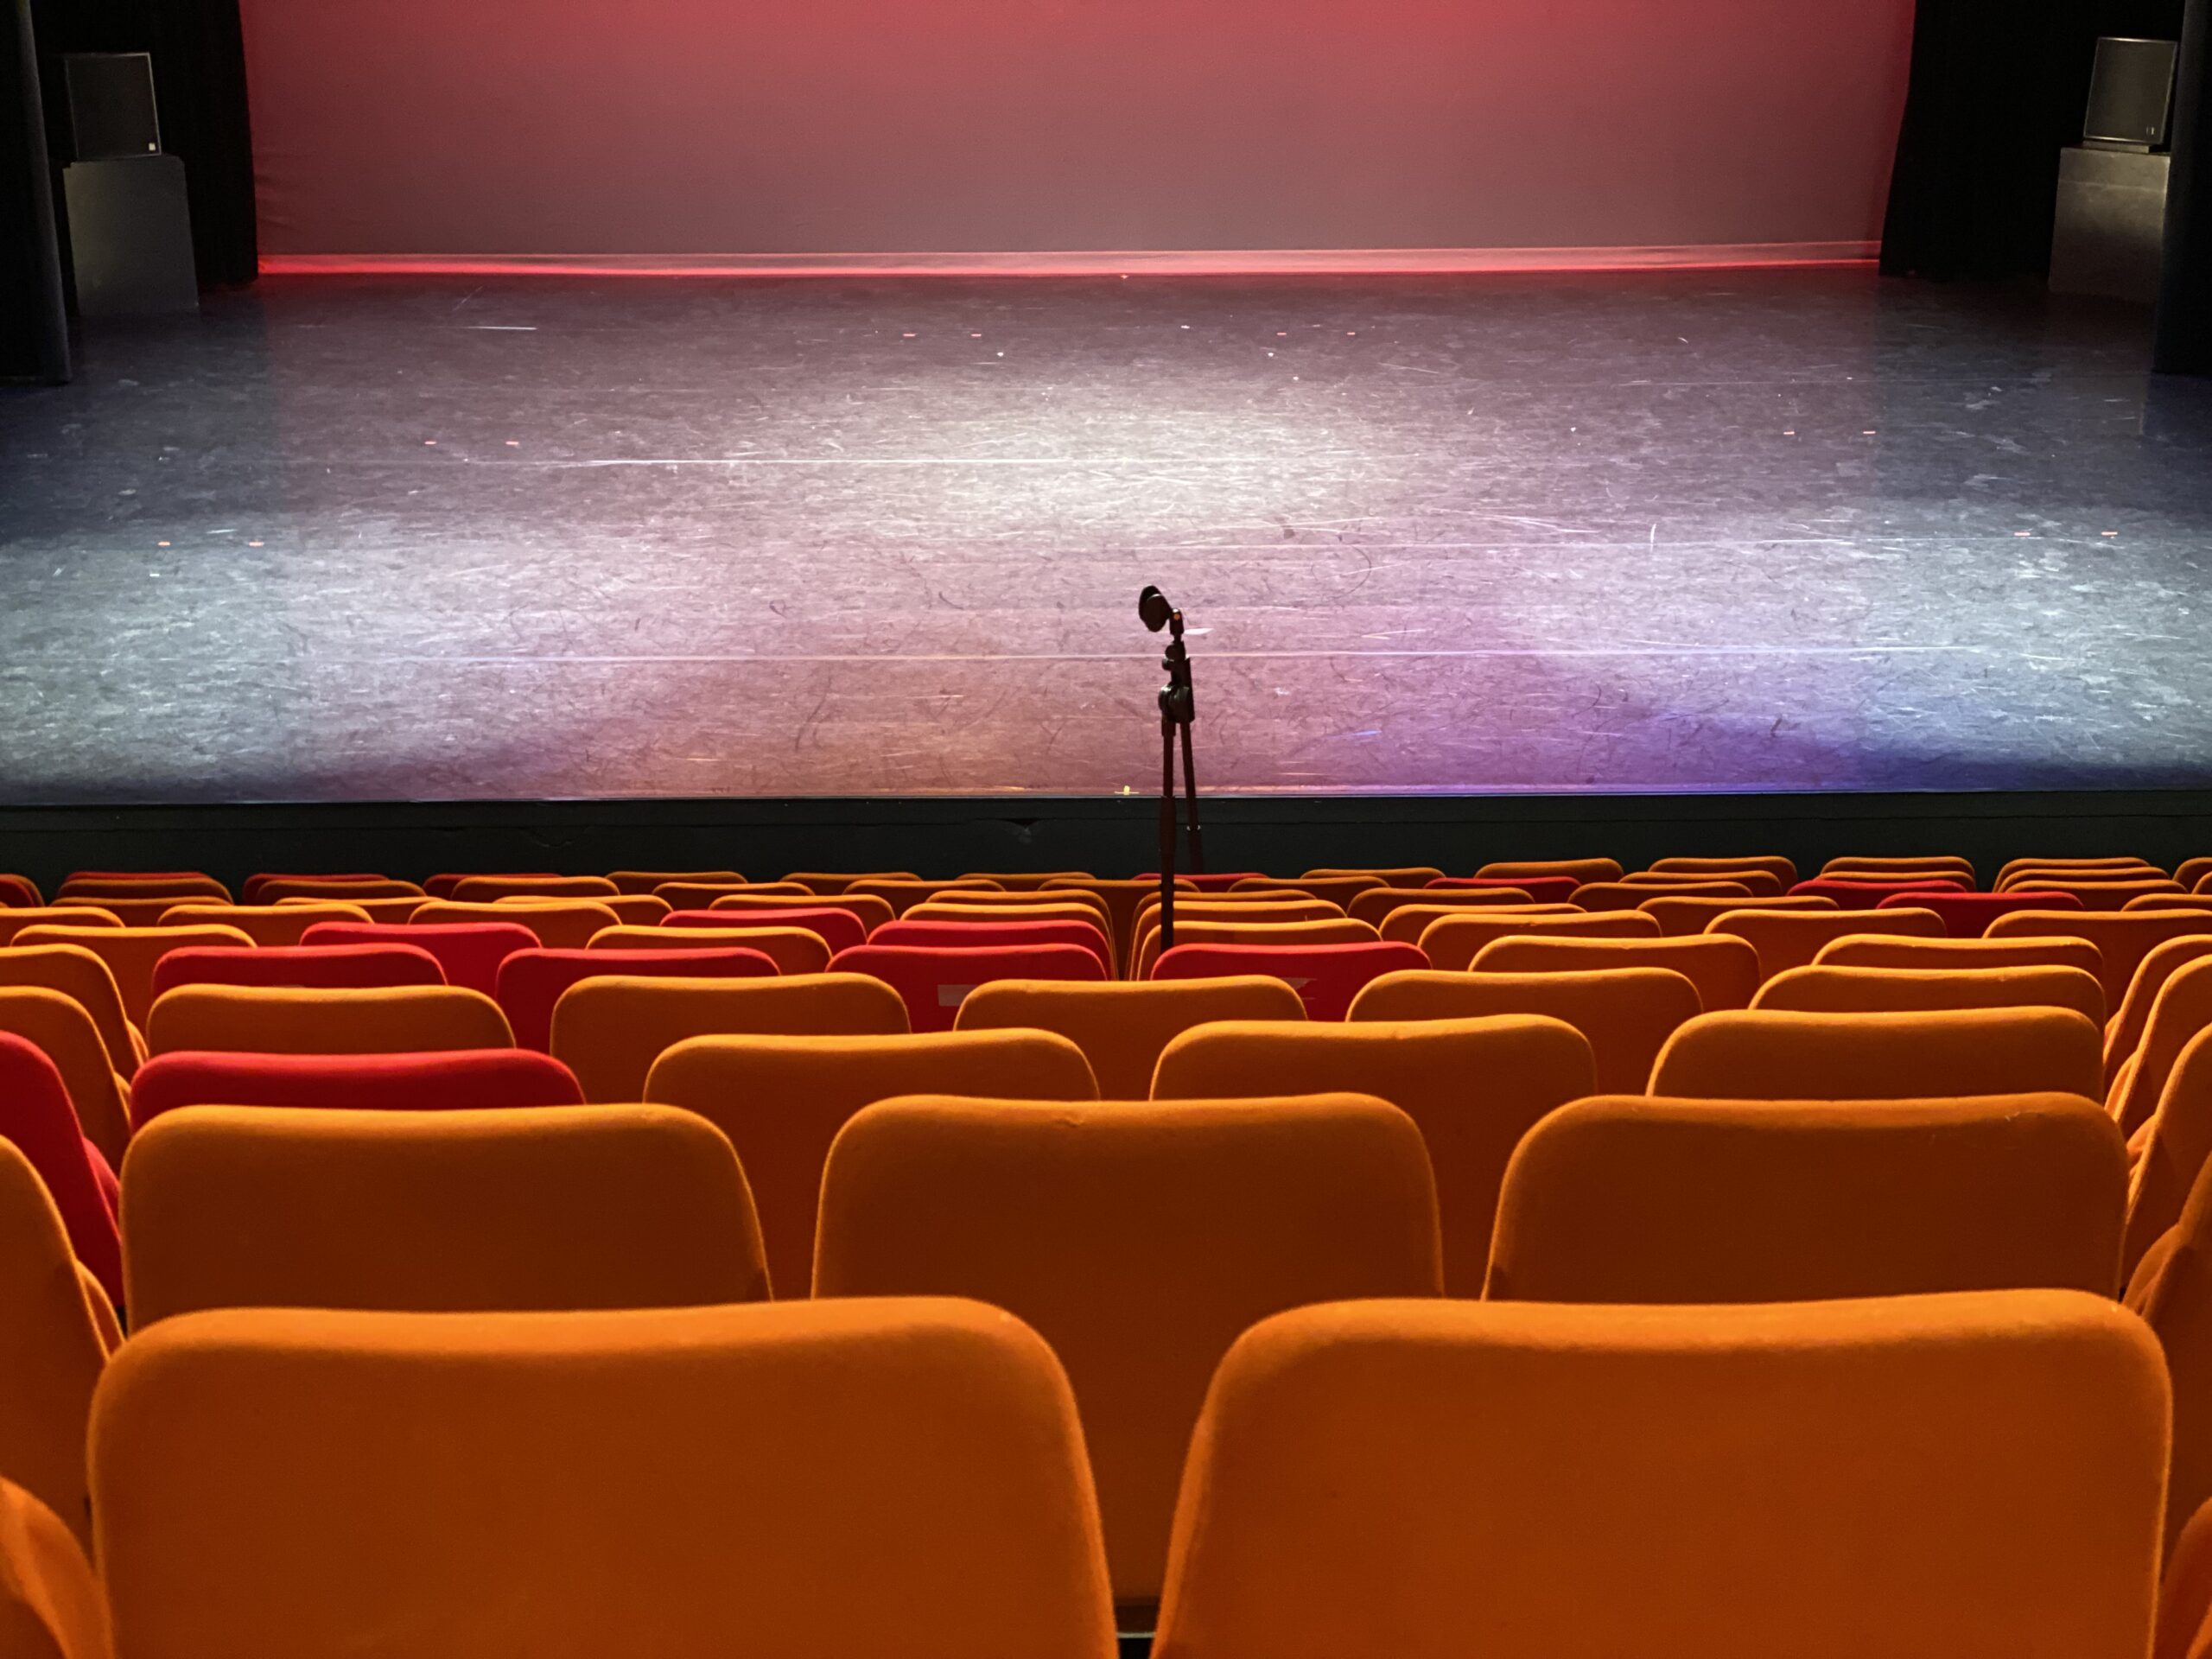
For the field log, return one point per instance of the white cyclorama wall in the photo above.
(760, 129)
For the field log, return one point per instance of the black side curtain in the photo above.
(198, 50)
(1998, 89)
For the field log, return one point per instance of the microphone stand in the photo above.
(1177, 709)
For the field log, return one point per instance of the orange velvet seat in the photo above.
(831, 883)
(871, 911)
(50, 1603)
(1376, 904)
(1025, 881)
(1327, 977)
(1454, 942)
(1786, 939)
(274, 1020)
(782, 1100)
(610, 1031)
(336, 889)
(1760, 883)
(532, 983)
(1400, 875)
(131, 952)
(1835, 989)
(2107, 895)
(1877, 950)
(1761, 1054)
(793, 949)
(1191, 929)
(809, 1480)
(2176, 1143)
(60, 1028)
(1582, 869)
(2038, 863)
(574, 1207)
(1123, 1028)
(1015, 927)
(1975, 1476)
(1338, 890)
(2131, 1017)
(80, 975)
(558, 924)
(391, 911)
(1851, 869)
(15, 922)
(2172, 1291)
(1474, 1087)
(1405, 924)
(1122, 900)
(904, 894)
(51, 1351)
(2124, 938)
(265, 924)
(1632, 1199)
(1626, 1014)
(1725, 971)
(484, 889)
(1602, 896)
(1782, 869)
(1678, 917)
(176, 884)
(646, 882)
(2182, 1011)
(1138, 1240)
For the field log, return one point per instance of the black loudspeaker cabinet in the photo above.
(111, 108)
(2131, 93)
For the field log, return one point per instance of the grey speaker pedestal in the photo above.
(130, 237)
(2111, 234)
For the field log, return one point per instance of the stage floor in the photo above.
(352, 539)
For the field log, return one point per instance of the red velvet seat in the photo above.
(970, 935)
(934, 980)
(450, 1080)
(470, 952)
(1966, 914)
(250, 893)
(320, 967)
(35, 1114)
(17, 894)
(1541, 889)
(530, 982)
(1326, 976)
(1866, 895)
(838, 929)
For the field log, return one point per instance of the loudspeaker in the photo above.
(2131, 93)
(111, 108)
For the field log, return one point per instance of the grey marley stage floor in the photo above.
(352, 539)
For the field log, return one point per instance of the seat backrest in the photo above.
(1968, 915)
(1122, 900)
(1627, 1199)
(589, 1206)
(1338, 890)
(815, 1481)
(1762, 884)
(271, 923)
(1878, 950)
(933, 981)
(1376, 903)
(2175, 1299)
(1782, 869)
(130, 953)
(532, 982)
(124, 884)
(1725, 971)
(1453, 942)
(1327, 977)
(2183, 1009)
(1526, 1480)
(1088, 935)
(554, 923)
(50, 1603)
(2131, 1020)
(1138, 1240)
(80, 975)
(1541, 889)
(37, 1115)
(1474, 1087)
(50, 1349)
(837, 928)
(2177, 1144)
(1123, 1028)
(1626, 1014)
(1787, 939)
(1407, 922)
(633, 883)
(326, 967)
(793, 949)
(1765, 1054)
(487, 889)
(340, 889)
(15, 922)
(1024, 880)
(2124, 938)
(832, 882)
(438, 1081)
(470, 952)
(1245, 930)
(60, 1028)
(1871, 894)
(1582, 869)
(1678, 916)
(782, 1100)
(285, 1020)
(1401, 875)
(1627, 895)
(1853, 869)
(2036, 864)
(905, 893)
(610, 1031)
(740, 907)
(1835, 989)
(19, 892)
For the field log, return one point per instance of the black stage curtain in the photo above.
(34, 333)
(198, 49)
(1998, 89)
(2184, 343)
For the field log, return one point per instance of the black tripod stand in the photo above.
(1177, 709)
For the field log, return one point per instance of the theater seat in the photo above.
(1968, 915)
(489, 889)
(1327, 977)
(1194, 928)
(60, 1029)
(835, 928)
(1452, 942)
(1678, 917)
(1139, 1241)
(934, 981)
(782, 1100)
(1725, 971)
(958, 933)
(15, 922)
(1474, 1087)
(588, 1206)
(2172, 1291)
(1867, 894)
(1121, 1027)
(1582, 869)
(80, 975)
(470, 952)
(1878, 950)
(1762, 1054)
(554, 923)
(2130, 1022)
(1835, 989)
(50, 1603)
(1787, 939)
(793, 949)
(36, 1115)
(277, 1020)
(322, 967)
(438, 1081)
(1972, 1475)
(610, 1031)
(271, 923)
(1627, 1199)
(2124, 938)
(131, 953)
(1626, 1014)
(531, 981)
(2176, 1142)
(807, 1480)
(51, 1352)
